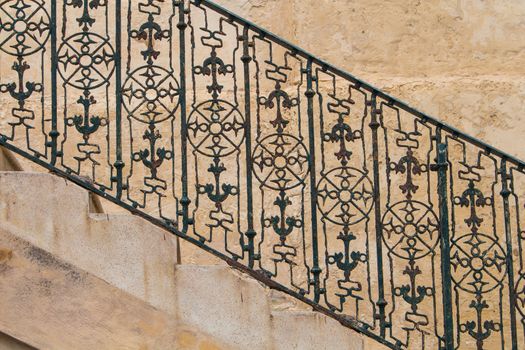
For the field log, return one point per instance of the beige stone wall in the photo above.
(461, 61)
(457, 60)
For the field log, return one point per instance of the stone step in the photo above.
(9, 343)
(48, 303)
(224, 303)
(124, 250)
(293, 330)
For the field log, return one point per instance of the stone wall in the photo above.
(458, 60)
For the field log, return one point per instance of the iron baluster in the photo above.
(316, 270)
(119, 163)
(381, 301)
(185, 200)
(54, 133)
(505, 193)
(246, 59)
(441, 168)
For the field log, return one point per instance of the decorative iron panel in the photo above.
(301, 175)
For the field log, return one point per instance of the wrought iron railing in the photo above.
(300, 174)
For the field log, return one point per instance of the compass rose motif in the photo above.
(86, 60)
(151, 94)
(216, 128)
(345, 196)
(410, 229)
(280, 161)
(24, 27)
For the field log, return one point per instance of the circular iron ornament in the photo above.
(216, 128)
(479, 263)
(151, 94)
(410, 229)
(24, 27)
(86, 61)
(280, 162)
(520, 294)
(345, 196)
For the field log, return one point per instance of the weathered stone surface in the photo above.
(225, 304)
(487, 107)
(9, 343)
(8, 162)
(292, 330)
(124, 250)
(398, 37)
(51, 304)
(460, 61)
(230, 306)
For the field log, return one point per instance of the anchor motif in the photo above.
(347, 261)
(150, 31)
(22, 95)
(86, 124)
(281, 224)
(413, 294)
(476, 329)
(86, 20)
(213, 191)
(472, 197)
(342, 133)
(152, 158)
(410, 166)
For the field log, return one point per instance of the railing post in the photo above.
(246, 59)
(185, 200)
(381, 301)
(53, 144)
(310, 93)
(441, 167)
(119, 164)
(505, 193)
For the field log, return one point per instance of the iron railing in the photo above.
(298, 173)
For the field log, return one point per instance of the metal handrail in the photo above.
(365, 85)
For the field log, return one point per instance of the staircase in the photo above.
(74, 279)
(250, 150)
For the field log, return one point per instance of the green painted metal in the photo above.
(291, 170)
(441, 167)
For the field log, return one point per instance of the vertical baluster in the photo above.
(185, 201)
(381, 302)
(505, 193)
(246, 59)
(54, 97)
(119, 164)
(441, 168)
(310, 93)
